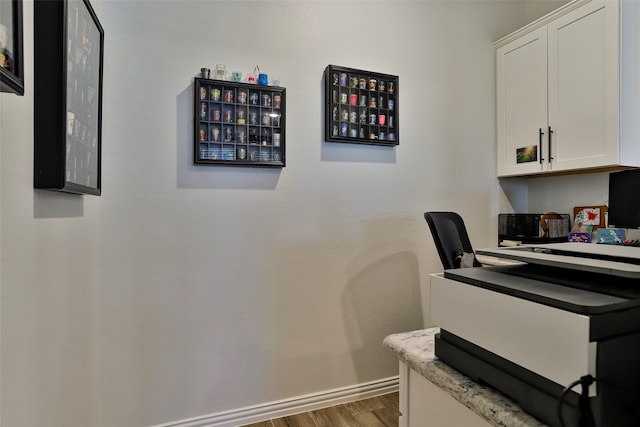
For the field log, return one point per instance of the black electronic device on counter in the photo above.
(624, 204)
(535, 228)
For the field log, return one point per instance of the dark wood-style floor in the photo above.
(379, 411)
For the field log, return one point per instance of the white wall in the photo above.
(560, 194)
(535, 9)
(225, 287)
(48, 281)
(228, 287)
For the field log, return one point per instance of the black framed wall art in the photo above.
(69, 47)
(361, 107)
(11, 53)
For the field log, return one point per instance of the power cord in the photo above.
(586, 416)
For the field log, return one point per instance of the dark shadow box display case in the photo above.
(361, 107)
(69, 45)
(11, 60)
(239, 124)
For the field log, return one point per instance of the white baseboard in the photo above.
(295, 405)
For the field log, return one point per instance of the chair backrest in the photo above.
(451, 238)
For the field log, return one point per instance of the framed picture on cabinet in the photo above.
(361, 107)
(69, 46)
(11, 61)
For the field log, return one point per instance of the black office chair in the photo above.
(451, 239)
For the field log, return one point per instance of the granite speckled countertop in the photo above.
(416, 349)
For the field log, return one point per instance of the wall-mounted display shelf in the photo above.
(11, 57)
(69, 46)
(239, 124)
(361, 107)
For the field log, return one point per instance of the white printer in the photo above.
(530, 330)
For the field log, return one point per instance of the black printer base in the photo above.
(617, 403)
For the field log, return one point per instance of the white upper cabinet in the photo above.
(522, 104)
(568, 90)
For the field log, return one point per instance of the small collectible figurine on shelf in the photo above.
(5, 56)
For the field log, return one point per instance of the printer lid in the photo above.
(578, 292)
(615, 260)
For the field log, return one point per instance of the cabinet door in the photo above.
(521, 86)
(583, 87)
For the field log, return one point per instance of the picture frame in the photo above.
(361, 107)
(69, 49)
(527, 154)
(590, 217)
(11, 48)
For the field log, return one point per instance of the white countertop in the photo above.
(416, 349)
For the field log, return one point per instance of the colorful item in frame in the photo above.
(590, 216)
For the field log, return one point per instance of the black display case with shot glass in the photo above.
(68, 64)
(361, 107)
(239, 124)
(11, 47)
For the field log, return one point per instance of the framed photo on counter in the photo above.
(591, 217)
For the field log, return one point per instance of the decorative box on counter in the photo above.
(580, 237)
(611, 236)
